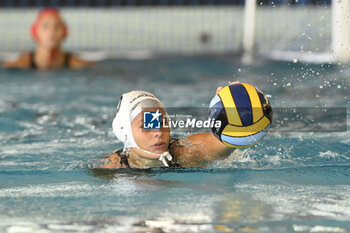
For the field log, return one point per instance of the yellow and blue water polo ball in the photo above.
(245, 114)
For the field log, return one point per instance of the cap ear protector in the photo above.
(34, 27)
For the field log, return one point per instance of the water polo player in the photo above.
(144, 148)
(48, 31)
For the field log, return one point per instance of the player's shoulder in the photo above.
(112, 160)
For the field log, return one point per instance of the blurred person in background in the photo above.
(48, 31)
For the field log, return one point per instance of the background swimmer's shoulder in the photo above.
(22, 62)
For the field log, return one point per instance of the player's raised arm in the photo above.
(244, 114)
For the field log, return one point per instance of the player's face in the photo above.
(153, 140)
(50, 31)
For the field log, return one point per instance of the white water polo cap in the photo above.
(129, 106)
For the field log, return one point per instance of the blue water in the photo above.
(55, 128)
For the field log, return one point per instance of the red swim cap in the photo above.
(33, 29)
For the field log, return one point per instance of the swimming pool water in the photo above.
(55, 128)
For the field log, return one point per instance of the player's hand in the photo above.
(219, 88)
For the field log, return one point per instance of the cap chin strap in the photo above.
(163, 157)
